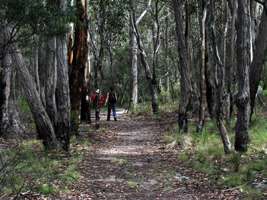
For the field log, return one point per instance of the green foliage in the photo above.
(29, 18)
(165, 96)
(234, 170)
(112, 14)
(31, 168)
(133, 184)
(168, 106)
(142, 109)
(46, 189)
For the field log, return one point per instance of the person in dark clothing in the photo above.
(111, 101)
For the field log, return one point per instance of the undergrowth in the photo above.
(145, 108)
(28, 168)
(204, 152)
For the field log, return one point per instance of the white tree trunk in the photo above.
(134, 69)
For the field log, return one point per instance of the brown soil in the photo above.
(129, 160)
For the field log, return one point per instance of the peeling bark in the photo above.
(80, 55)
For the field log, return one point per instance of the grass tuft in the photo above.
(235, 170)
(30, 168)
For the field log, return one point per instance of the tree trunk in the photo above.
(36, 64)
(42, 65)
(256, 69)
(219, 76)
(43, 124)
(230, 68)
(51, 80)
(80, 59)
(185, 82)
(243, 62)
(63, 94)
(63, 89)
(149, 76)
(5, 86)
(210, 88)
(202, 88)
(10, 124)
(166, 49)
(134, 52)
(151, 80)
(134, 67)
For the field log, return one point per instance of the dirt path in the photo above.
(129, 160)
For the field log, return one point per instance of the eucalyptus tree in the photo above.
(17, 26)
(257, 65)
(185, 81)
(215, 60)
(10, 124)
(21, 20)
(150, 76)
(134, 50)
(202, 97)
(243, 63)
(80, 65)
(106, 29)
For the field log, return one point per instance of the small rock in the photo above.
(260, 185)
(180, 177)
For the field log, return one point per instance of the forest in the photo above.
(126, 99)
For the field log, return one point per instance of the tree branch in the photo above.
(143, 13)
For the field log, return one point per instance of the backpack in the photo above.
(112, 98)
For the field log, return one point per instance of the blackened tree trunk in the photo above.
(85, 105)
(231, 66)
(243, 62)
(185, 82)
(256, 69)
(210, 89)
